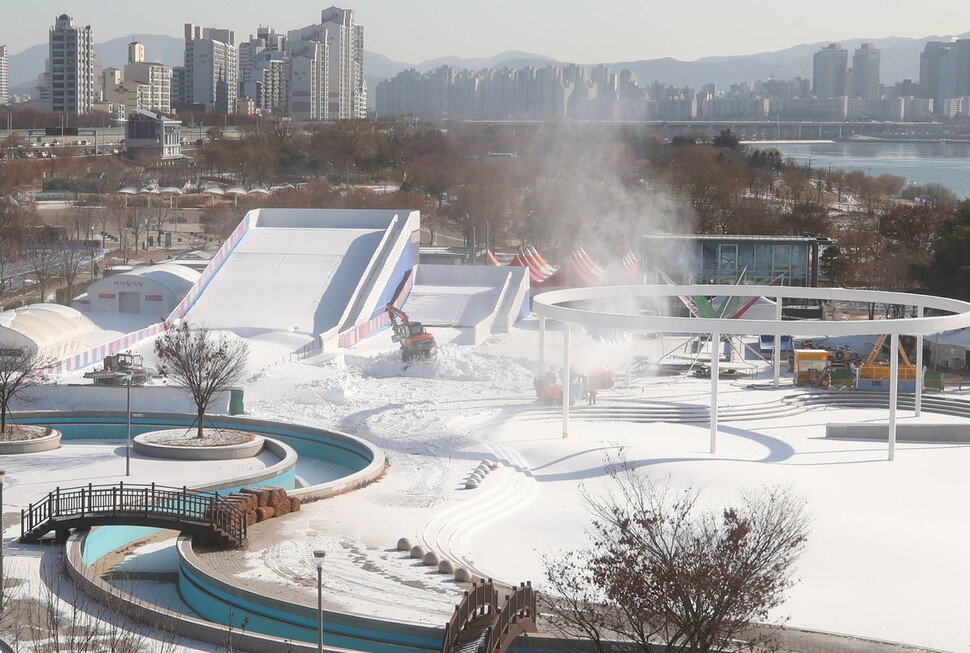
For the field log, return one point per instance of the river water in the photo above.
(945, 163)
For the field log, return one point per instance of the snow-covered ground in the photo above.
(886, 553)
(885, 557)
(34, 576)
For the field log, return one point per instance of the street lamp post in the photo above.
(318, 557)
(3, 475)
(128, 439)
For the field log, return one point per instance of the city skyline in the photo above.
(623, 30)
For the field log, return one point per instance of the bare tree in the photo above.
(663, 569)
(127, 242)
(72, 256)
(44, 259)
(17, 373)
(9, 256)
(109, 208)
(137, 222)
(158, 215)
(53, 615)
(82, 214)
(201, 362)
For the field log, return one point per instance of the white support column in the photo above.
(542, 348)
(777, 347)
(715, 360)
(893, 391)
(919, 368)
(565, 379)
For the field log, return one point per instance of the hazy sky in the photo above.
(584, 32)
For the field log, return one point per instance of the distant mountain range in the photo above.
(899, 60)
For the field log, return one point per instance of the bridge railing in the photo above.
(481, 598)
(174, 504)
(519, 605)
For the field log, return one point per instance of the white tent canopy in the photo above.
(52, 331)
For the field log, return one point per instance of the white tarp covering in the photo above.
(51, 330)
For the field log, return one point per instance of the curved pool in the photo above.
(324, 456)
(332, 463)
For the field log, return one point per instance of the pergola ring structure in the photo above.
(607, 307)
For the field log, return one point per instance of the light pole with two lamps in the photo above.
(3, 477)
(128, 439)
(318, 556)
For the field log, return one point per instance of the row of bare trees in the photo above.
(596, 186)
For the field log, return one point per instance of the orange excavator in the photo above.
(415, 341)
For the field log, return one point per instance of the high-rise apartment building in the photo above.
(328, 81)
(156, 80)
(263, 66)
(70, 67)
(211, 68)
(829, 71)
(136, 52)
(146, 85)
(865, 72)
(4, 76)
(944, 71)
(178, 85)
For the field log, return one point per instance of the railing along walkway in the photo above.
(200, 513)
(479, 624)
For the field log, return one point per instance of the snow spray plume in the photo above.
(593, 203)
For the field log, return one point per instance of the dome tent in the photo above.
(51, 331)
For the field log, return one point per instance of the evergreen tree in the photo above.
(947, 273)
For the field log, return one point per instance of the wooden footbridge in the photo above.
(206, 514)
(481, 625)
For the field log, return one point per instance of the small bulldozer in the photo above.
(414, 340)
(117, 368)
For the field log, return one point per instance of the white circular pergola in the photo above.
(594, 308)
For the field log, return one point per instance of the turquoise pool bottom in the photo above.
(212, 604)
(112, 428)
(359, 634)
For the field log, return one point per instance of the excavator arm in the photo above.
(414, 340)
(397, 315)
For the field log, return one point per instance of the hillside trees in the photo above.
(947, 271)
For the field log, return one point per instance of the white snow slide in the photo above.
(301, 274)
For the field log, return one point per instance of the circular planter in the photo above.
(142, 445)
(31, 445)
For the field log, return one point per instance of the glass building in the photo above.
(720, 259)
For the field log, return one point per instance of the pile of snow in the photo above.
(453, 363)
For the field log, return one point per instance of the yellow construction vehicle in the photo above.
(874, 374)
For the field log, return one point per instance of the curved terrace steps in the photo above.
(790, 404)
